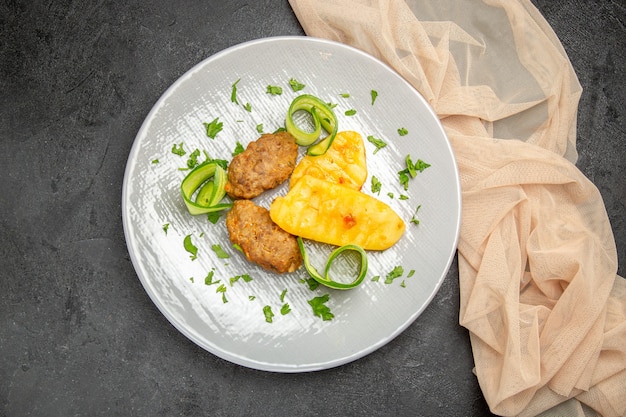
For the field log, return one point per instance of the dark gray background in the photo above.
(78, 334)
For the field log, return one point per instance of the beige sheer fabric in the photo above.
(540, 296)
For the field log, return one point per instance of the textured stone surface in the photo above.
(78, 334)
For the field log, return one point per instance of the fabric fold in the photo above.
(539, 292)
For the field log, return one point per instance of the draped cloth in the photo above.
(539, 290)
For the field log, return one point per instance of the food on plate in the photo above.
(343, 163)
(325, 278)
(260, 239)
(265, 164)
(202, 189)
(322, 116)
(331, 213)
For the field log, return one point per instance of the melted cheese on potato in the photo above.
(331, 213)
(343, 163)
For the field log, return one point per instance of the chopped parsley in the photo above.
(320, 309)
(390, 195)
(269, 315)
(374, 95)
(311, 283)
(238, 149)
(252, 297)
(350, 112)
(219, 251)
(190, 247)
(244, 277)
(221, 162)
(411, 170)
(378, 143)
(403, 132)
(274, 90)
(222, 289)
(396, 272)
(376, 185)
(285, 309)
(375, 278)
(282, 295)
(213, 216)
(165, 227)
(155, 161)
(233, 93)
(178, 149)
(403, 197)
(259, 128)
(421, 165)
(248, 107)
(208, 280)
(345, 95)
(192, 162)
(296, 85)
(415, 167)
(213, 128)
(414, 219)
(411, 273)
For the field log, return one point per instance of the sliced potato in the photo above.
(343, 163)
(331, 213)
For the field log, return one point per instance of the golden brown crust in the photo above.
(265, 164)
(260, 239)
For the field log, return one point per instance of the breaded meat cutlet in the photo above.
(265, 164)
(260, 239)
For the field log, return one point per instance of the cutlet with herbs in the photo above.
(265, 164)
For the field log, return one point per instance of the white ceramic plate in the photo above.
(365, 318)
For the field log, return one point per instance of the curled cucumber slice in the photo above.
(209, 180)
(326, 279)
(323, 117)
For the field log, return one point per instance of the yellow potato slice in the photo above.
(331, 213)
(343, 163)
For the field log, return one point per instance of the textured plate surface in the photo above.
(236, 330)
